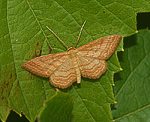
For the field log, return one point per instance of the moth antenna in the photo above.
(80, 33)
(61, 41)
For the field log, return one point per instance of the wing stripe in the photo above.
(101, 48)
(63, 74)
(61, 78)
(95, 67)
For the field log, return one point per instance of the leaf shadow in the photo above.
(13, 116)
(129, 42)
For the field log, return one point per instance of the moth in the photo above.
(63, 69)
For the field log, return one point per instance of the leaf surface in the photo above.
(132, 90)
(23, 36)
(61, 104)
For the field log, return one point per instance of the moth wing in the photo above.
(92, 68)
(45, 65)
(101, 48)
(65, 75)
(92, 56)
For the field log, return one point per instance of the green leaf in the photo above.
(7, 70)
(23, 36)
(60, 104)
(132, 90)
